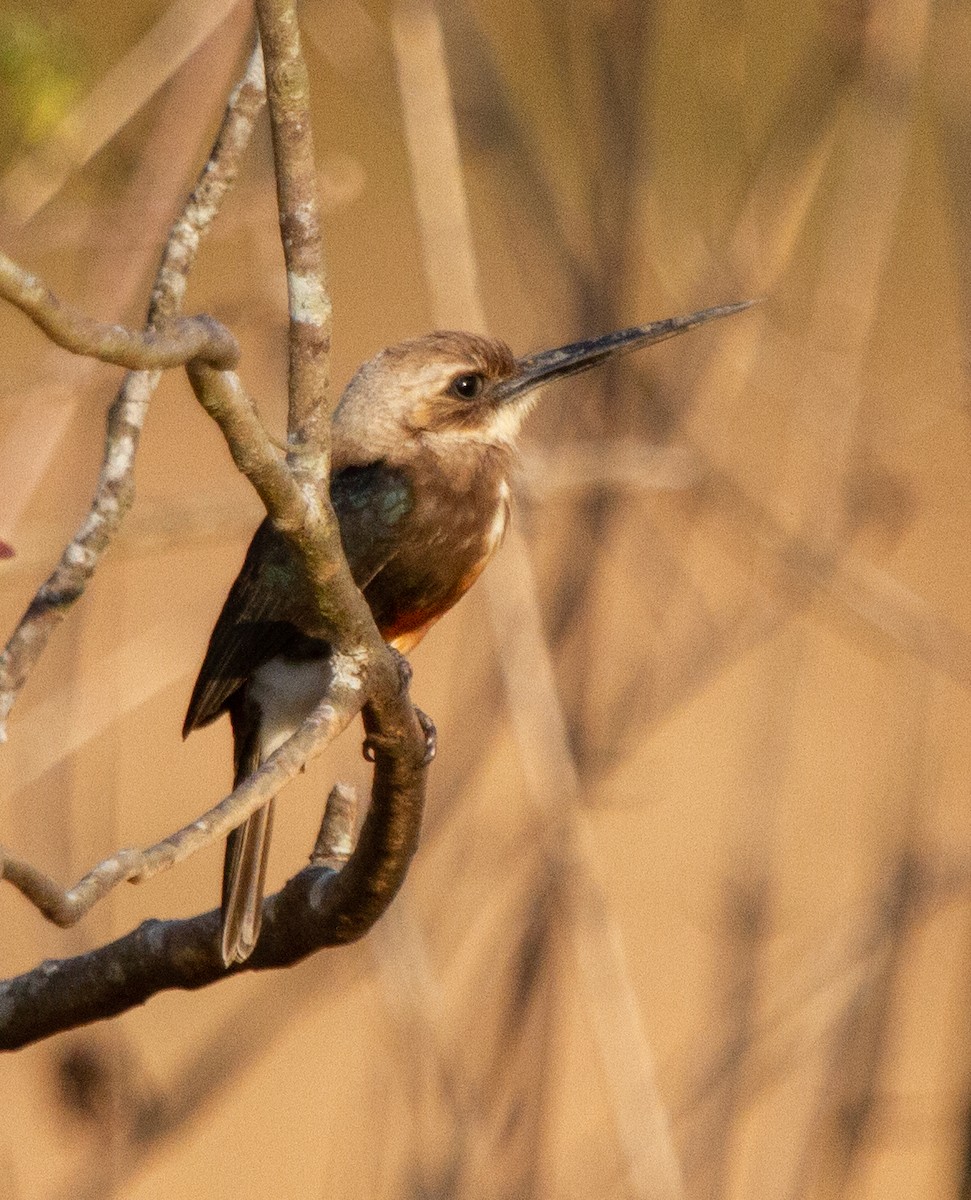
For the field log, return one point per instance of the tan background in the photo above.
(751, 550)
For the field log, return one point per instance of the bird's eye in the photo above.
(467, 387)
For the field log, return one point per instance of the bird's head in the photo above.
(446, 390)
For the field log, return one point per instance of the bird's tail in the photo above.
(244, 873)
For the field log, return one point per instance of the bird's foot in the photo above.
(405, 670)
(374, 742)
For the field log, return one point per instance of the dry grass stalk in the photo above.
(534, 704)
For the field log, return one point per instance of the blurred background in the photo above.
(694, 882)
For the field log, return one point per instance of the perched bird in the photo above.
(424, 438)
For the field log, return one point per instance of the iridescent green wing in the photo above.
(371, 503)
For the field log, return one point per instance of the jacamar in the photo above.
(423, 441)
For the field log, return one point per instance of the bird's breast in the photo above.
(443, 548)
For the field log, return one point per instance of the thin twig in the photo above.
(222, 395)
(66, 906)
(115, 490)
(335, 841)
(153, 349)
(288, 88)
(317, 908)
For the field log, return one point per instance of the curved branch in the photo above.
(66, 906)
(222, 395)
(316, 909)
(115, 489)
(298, 509)
(156, 348)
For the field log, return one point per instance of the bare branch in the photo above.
(325, 908)
(335, 841)
(156, 348)
(218, 175)
(115, 490)
(288, 94)
(222, 395)
(66, 907)
(317, 908)
(295, 493)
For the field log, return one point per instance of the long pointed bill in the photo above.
(537, 369)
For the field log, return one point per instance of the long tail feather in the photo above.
(244, 877)
(247, 848)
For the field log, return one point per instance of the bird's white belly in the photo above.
(286, 693)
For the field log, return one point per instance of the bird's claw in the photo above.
(372, 743)
(431, 736)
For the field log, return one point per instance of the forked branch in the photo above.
(318, 907)
(172, 344)
(115, 489)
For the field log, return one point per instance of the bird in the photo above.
(423, 443)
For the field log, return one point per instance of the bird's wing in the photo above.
(371, 503)
(261, 616)
(253, 627)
